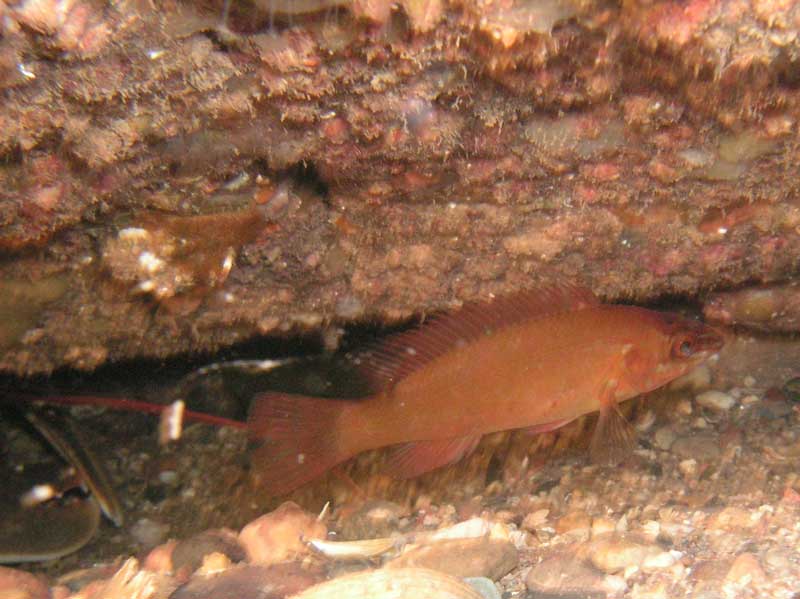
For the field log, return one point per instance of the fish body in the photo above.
(536, 359)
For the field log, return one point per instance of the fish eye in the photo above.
(683, 349)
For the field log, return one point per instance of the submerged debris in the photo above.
(767, 308)
(169, 255)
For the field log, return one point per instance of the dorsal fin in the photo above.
(391, 360)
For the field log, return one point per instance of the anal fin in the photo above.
(299, 439)
(413, 459)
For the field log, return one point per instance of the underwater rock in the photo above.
(463, 558)
(274, 581)
(22, 585)
(189, 553)
(401, 583)
(770, 308)
(280, 534)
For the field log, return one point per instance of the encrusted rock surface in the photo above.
(433, 152)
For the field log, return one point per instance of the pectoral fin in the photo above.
(614, 438)
(412, 459)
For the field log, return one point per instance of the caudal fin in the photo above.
(299, 439)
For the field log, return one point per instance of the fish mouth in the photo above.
(709, 341)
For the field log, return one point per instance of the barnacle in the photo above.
(172, 255)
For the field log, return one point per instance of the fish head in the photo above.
(681, 344)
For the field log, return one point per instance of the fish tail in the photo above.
(299, 436)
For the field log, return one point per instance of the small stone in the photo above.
(149, 533)
(246, 581)
(130, 582)
(645, 422)
(213, 563)
(750, 399)
(468, 529)
(733, 519)
(160, 558)
(683, 407)
(749, 381)
(576, 524)
(657, 591)
(615, 552)
(716, 401)
(16, 584)
(664, 437)
(279, 535)
(484, 586)
(695, 380)
(602, 525)
(688, 468)
(745, 570)
(535, 520)
(777, 560)
(708, 577)
(563, 574)
(651, 529)
(699, 447)
(463, 558)
(660, 561)
(190, 553)
(380, 516)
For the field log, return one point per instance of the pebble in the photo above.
(463, 558)
(660, 561)
(189, 553)
(776, 561)
(615, 552)
(657, 591)
(664, 437)
(697, 379)
(699, 447)
(484, 586)
(563, 574)
(149, 533)
(252, 582)
(16, 584)
(474, 527)
(278, 536)
(602, 525)
(160, 557)
(131, 582)
(708, 577)
(716, 401)
(688, 467)
(683, 407)
(374, 519)
(401, 583)
(732, 519)
(213, 563)
(576, 524)
(745, 570)
(535, 520)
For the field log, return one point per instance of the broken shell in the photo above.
(48, 531)
(402, 583)
(353, 550)
(65, 437)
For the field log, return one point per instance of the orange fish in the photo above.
(537, 359)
